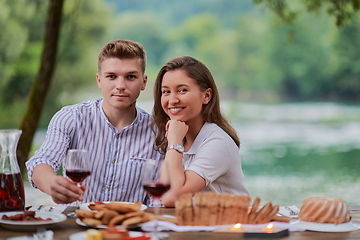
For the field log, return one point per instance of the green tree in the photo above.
(42, 82)
(145, 28)
(80, 42)
(344, 83)
(300, 55)
(197, 36)
(17, 50)
(341, 10)
(82, 37)
(13, 37)
(247, 74)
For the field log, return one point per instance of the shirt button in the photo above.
(112, 161)
(117, 135)
(107, 186)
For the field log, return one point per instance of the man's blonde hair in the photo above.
(122, 49)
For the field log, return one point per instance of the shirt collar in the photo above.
(136, 120)
(205, 131)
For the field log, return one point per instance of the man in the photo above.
(113, 129)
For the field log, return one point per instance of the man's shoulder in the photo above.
(84, 106)
(143, 114)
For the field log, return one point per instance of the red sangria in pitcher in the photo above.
(12, 194)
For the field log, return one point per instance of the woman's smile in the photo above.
(176, 110)
(181, 96)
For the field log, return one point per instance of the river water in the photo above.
(293, 151)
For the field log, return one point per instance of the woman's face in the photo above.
(181, 97)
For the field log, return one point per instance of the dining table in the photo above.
(64, 229)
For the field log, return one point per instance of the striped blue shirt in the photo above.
(116, 157)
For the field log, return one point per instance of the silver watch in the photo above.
(177, 147)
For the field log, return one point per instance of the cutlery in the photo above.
(291, 212)
(40, 207)
(51, 208)
(40, 233)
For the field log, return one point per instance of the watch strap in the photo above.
(177, 147)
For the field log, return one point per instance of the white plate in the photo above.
(81, 223)
(84, 206)
(31, 226)
(82, 235)
(326, 227)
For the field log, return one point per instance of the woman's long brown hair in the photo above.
(211, 112)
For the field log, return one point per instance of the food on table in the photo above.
(141, 237)
(121, 207)
(252, 213)
(106, 215)
(114, 213)
(324, 210)
(92, 234)
(26, 216)
(131, 218)
(209, 209)
(281, 218)
(85, 213)
(108, 233)
(264, 215)
(90, 221)
(113, 232)
(97, 205)
(124, 207)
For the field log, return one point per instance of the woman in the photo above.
(201, 148)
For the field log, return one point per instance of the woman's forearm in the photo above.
(173, 171)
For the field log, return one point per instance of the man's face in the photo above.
(121, 81)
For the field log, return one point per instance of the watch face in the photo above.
(177, 147)
(180, 147)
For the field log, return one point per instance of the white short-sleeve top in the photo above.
(216, 158)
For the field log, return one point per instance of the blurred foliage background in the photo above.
(253, 54)
(287, 71)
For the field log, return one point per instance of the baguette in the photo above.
(209, 209)
(121, 207)
(252, 214)
(213, 208)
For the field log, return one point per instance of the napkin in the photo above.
(289, 211)
(167, 226)
(48, 235)
(44, 208)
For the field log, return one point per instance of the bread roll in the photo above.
(324, 210)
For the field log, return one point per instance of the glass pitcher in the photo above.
(12, 194)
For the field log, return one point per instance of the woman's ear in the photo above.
(207, 96)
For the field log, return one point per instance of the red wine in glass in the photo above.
(156, 189)
(77, 167)
(77, 175)
(12, 195)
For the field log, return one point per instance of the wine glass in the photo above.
(154, 188)
(77, 166)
